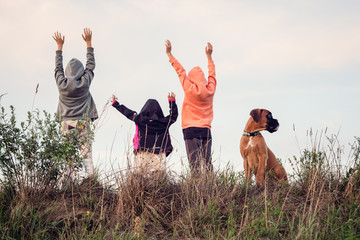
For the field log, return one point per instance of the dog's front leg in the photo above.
(260, 173)
(247, 170)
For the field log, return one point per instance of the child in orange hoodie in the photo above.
(197, 109)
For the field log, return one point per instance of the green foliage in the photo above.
(309, 163)
(315, 204)
(35, 153)
(355, 148)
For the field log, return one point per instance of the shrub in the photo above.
(34, 153)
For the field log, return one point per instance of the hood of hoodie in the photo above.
(151, 110)
(74, 69)
(197, 76)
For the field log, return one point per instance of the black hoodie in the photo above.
(152, 127)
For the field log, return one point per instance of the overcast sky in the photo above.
(298, 59)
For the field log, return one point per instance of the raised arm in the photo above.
(211, 66)
(173, 108)
(90, 59)
(59, 70)
(185, 83)
(130, 114)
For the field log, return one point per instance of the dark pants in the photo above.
(199, 154)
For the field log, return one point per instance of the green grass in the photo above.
(205, 209)
(321, 200)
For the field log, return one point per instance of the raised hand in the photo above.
(168, 48)
(87, 36)
(208, 50)
(171, 96)
(114, 98)
(59, 40)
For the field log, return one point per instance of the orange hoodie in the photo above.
(197, 109)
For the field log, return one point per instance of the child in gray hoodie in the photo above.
(76, 105)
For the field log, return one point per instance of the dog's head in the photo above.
(264, 119)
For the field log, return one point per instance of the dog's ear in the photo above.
(255, 114)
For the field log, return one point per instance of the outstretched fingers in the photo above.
(58, 38)
(87, 34)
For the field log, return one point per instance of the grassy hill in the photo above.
(320, 201)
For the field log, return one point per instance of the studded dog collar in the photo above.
(253, 134)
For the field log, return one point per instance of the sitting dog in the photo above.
(257, 156)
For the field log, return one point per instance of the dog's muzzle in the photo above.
(272, 125)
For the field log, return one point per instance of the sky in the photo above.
(298, 59)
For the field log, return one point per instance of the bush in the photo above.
(35, 154)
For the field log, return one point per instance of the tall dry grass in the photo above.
(219, 205)
(320, 201)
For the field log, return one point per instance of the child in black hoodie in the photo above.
(152, 141)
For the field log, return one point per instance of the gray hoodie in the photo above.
(75, 100)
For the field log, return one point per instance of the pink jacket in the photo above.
(197, 109)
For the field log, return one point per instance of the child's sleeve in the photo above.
(90, 65)
(173, 111)
(211, 86)
(130, 114)
(59, 70)
(185, 83)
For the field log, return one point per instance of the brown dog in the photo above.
(257, 156)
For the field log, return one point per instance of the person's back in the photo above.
(197, 109)
(152, 141)
(76, 106)
(75, 99)
(153, 127)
